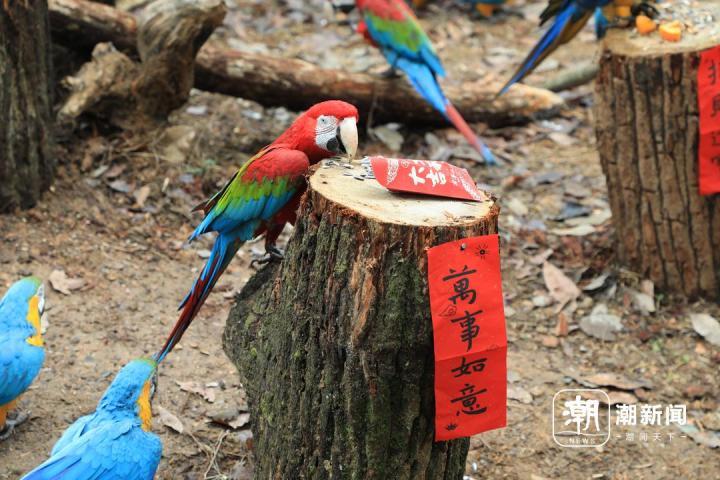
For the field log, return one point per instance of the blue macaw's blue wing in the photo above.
(81, 426)
(115, 450)
(20, 363)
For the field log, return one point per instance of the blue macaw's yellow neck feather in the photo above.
(33, 318)
(144, 406)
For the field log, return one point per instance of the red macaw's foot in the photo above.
(272, 254)
(12, 421)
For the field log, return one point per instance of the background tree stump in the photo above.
(334, 345)
(647, 133)
(26, 163)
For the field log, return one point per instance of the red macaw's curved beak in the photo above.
(347, 136)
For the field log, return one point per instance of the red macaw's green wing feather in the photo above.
(395, 29)
(256, 197)
(259, 189)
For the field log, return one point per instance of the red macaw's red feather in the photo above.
(362, 29)
(234, 212)
(395, 10)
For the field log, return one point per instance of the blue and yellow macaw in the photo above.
(570, 17)
(392, 27)
(114, 442)
(21, 346)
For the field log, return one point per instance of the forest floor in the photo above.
(116, 221)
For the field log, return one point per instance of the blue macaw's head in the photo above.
(132, 390)
(24, 290)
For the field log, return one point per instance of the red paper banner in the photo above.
(425, 177)
(469, 333)
(709, 104)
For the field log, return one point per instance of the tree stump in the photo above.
(334, 345)
(646, 113)
(26, 163)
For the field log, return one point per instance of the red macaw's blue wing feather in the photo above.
(116, 450)
(258, 191)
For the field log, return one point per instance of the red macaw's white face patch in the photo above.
(336, 136)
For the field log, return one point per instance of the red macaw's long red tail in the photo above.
(224, 249)
(459, 122)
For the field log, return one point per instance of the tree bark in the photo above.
(276, 81)
(647, 133)
(334, 345)
(26, 163)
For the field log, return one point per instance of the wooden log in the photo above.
(334, 345)
(646, 111)
(136, 95)
(297, 84)
(27, 166)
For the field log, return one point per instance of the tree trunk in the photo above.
(647, 133)
(26, 163)
(335, 346)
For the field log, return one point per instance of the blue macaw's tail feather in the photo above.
(548, 43)
(224, 249)
(423, 79)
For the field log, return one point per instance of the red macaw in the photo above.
(264, 195)
(392, 26)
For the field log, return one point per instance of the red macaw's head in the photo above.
(325, 130)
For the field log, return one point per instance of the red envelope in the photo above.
(469, 335)
(709, 104)
(425, 177)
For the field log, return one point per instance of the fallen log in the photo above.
(297, 84)
(136, 95)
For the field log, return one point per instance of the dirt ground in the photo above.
(118, 216)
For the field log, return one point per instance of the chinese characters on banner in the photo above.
(426, 177)
(709, 104)
(469, 334)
